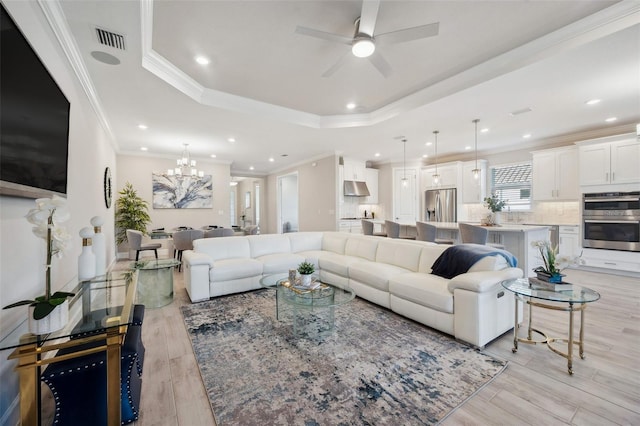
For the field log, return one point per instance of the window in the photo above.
(512, 183)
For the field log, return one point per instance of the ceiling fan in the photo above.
(363, 43)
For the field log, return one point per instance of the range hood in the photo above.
(355, 188)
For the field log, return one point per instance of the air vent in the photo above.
(111, 39)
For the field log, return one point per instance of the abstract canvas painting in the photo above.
(182, 192)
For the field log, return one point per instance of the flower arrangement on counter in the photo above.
(47, 217)
(494, 203)
(554, 264)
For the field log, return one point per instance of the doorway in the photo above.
(287, 203)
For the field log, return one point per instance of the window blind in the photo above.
(512, 183)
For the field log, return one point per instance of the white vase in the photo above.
(497, 218)
(305, 280)
(99, 246)
(55, 321)
(86, 260)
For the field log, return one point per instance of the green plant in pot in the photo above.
(496, 205)
(131, 213)
(50, 311)
(305, 269)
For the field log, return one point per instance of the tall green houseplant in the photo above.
(131, 213)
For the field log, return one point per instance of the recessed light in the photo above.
(611, 119)
(351, 105)
(467, 148)
(526, 135)
(593, 101)
(202, 60)
(232, 140)
(271, 159)
(428, 143)
(425, 156)
(213, 156)
(142, 127)
(251, 167)
(377, 154)
(485, 130)
(144, 148)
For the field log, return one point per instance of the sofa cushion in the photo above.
(429, 255)
(375, 275)
(223, 247)
(334, 242)
(262, 245)
(280, 262)
(337, 263)
(424, 289)
(232, 269)
(362, 246)
(305, 241)
(402, 254)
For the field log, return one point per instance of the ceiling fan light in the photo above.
(363, 47)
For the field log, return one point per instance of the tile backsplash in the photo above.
(548, 213)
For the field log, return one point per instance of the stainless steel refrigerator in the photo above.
(441, 205)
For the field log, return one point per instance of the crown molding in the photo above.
(58, 22)
(610, 20)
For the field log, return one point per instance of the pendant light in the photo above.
(186, 166)
(436, 176)
(476, 171)
(405, 181)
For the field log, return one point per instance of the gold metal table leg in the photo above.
(570, 342)
(516, 327)
(29, 395)
(582, 332)
(113, 377)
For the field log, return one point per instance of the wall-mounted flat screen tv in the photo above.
(34, 120)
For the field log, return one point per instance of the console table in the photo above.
(570, 301)
(100, 311)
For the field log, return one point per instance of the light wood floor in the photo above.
(534, 389)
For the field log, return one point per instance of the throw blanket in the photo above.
(458, 259)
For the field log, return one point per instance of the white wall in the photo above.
(22, 255)
(317, 183)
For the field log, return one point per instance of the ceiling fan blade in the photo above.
(409, 34)
(335, 67)
(368, 16)
(323, 35)
(381, 64)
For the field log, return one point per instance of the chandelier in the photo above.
(185, 165)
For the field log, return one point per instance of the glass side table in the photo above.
(101, 310)
(572, 300)
(155, 282)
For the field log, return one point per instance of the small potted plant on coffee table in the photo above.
(305, 269)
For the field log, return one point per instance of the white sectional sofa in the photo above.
(395, 274)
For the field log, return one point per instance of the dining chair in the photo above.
(426, 232)
(134, 238)
(393, 230)
(367, 229)
(183, 240)
(475, 235)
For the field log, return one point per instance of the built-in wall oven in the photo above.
(611, 220)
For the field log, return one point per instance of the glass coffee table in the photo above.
(572, 300)
(312, 309)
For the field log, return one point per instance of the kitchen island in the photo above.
(515, 238)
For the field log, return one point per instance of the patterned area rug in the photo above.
(375, 368)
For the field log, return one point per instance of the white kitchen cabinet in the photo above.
(371, 178)
(474, 190)
(448, 176)
(555, 175)
(610, 163)
(570, 243)
(354, 170)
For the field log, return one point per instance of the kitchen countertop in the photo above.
(453, 226)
